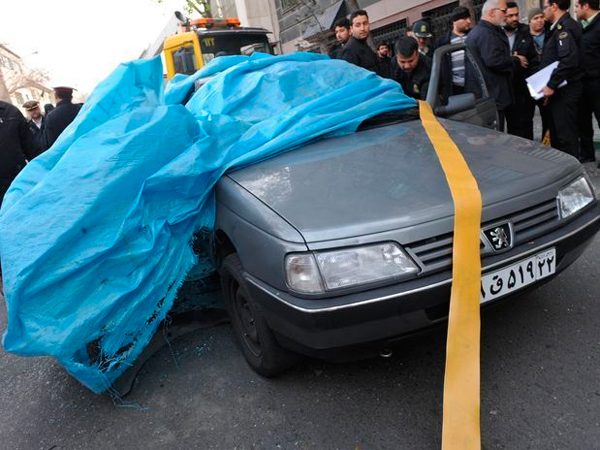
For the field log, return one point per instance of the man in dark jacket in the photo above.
(519, 115)
(537, 29)
(489, 45)
(15, 146)
(384, 59)
(341, 28)
(356, 50)
(61, 116)
(35, 124)
(563, 44)
(453, 65)
(587, 13)
(413, 69)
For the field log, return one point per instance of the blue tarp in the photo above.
(96, 233)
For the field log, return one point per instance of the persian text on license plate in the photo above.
(509, 279)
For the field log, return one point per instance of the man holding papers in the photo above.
(563, 45)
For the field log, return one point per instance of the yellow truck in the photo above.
(204, 39)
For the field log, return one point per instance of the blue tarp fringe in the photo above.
(96, 233)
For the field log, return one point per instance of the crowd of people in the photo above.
(23, 139)
(506, 52)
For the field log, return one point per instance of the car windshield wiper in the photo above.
(389, 118)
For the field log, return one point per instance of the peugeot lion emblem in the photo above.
(499, 237)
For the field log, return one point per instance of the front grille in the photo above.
(435, 253)
(534, 222)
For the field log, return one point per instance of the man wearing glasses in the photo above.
(489, 44)
(563, 44)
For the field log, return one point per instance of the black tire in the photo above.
(260, 348)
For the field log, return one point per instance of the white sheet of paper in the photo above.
(537, 81)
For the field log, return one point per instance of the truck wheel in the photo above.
(259, 346)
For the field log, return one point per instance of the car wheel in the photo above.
(259, 346)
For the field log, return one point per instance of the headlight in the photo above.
(574, 197)
(318, 272)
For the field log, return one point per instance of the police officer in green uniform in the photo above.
(413, 69)
(563, 44)
(422, 32)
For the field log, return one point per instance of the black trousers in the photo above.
(563, 118)
(589, 105)
(519, 115)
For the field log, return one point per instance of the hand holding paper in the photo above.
(538, 82)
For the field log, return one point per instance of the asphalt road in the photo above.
(540, 389)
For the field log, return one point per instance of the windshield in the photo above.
(388, 118)
(232, 44)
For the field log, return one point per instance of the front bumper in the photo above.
(323, 327)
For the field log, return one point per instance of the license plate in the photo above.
(525, 272)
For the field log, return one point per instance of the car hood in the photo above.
(390, 177)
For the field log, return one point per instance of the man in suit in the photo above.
(519, 115)
(489, 45)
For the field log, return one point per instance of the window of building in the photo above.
(441, 17)
(389, 33)
(288, 4)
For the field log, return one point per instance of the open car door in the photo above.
(476, 108)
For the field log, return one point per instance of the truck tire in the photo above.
(259, 346)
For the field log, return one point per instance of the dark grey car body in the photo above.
(386, 185)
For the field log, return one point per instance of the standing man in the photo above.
(356, 50)
(537, 30)
(587, 13)
(413, 70)
(453, 65)
(489, 45)
(519, 115)
(563, 44)
(422, 33)
(342, 35)
(61, 116)
(35, 124)
(384, 60)
(14, 145)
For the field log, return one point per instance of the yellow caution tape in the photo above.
(546, 139)
(461, 423)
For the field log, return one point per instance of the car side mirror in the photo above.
(456, 104)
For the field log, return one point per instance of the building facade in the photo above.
(307, 24)
(19, 83)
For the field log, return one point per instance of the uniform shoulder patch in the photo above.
(563, 35)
